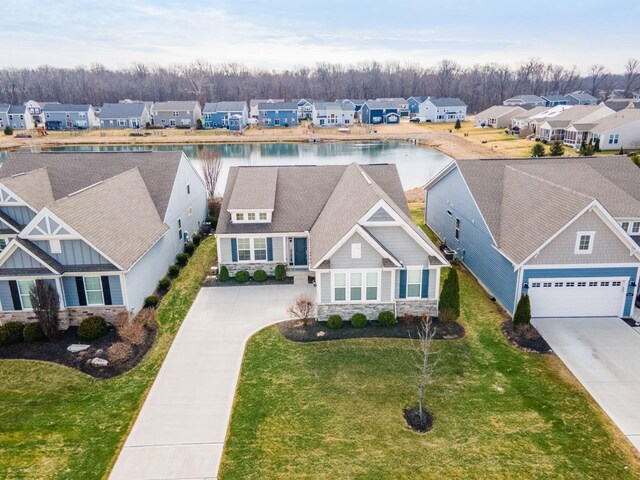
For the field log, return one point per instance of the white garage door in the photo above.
(577, 297)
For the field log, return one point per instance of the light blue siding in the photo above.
(70, 291)
(22, 215)
(5, 296)
(279, 118)
(475, 246)
(21, 259)
(74, 252)
(630, 272)
(116, 290)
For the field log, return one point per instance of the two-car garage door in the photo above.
(577, 297)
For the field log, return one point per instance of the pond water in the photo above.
(416, 165)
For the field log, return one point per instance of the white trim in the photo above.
(10, 226)
(252, 250)
(363, 285)
(266, 234)
(591, 236)
(86, 292)
(414, 268)
(19, 201)
(582, 265)
(5, 254)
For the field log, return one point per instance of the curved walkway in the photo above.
(181, 428)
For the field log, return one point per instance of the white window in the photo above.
(3, 244)
(340, 287)
(604, 284)
(356, 250)
(557, 284)
(356, 286)
(449, 213)
(24, 288)
(189, 211)
(414, 283)
(244, 249)
(251, 217)
(582, 284)
(613, 139)
(571, 284)
(635, 228)
(535, 284)
(263, 216)
(457, 229)
(625, 226)
(93, 291)
(355, 290)
(55, 246)
(260, 248)
(239, 217)
(584, 242)
(593, 284)
(252, 249)
(372, 286)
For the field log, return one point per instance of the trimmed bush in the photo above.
(182, 259)
(335, 322)
(174, 270)
(223, 274)
(32, 332)
(280, 272)
(92, 328)
(522, 316)
(213, 221)
(11, 333)
(260, 276)
(8, 130)
(189, 248)
(458, 126)
(359, 320)
(386, 319)
(537, 150)
(164, 284)
(450, 294)
(196, 239)
(242, 276)
(151, 301)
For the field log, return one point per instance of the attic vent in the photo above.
(366, 177)
(83, 189)
(18, 174)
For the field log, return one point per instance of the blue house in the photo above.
(278, 114)
(414, 104)
(378, 112)
(230, 115)
(555, 100)
(565, 231)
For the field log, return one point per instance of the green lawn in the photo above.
(334, 410)
(56, 422)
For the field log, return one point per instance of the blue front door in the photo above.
(299, 251)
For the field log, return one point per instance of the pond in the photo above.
(416, 165)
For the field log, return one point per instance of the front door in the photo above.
(299, 251)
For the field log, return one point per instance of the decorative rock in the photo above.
(99, 362)
(77, 347)
(321, 333)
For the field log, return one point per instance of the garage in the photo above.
(577, 297)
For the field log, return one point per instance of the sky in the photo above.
(278, 34)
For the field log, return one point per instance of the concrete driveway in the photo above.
(181, 429)
(604, 355)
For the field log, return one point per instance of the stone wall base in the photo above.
(417, 307)
(371, 310)
(68, 317)
(250, 267)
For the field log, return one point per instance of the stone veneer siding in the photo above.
(417, 307)
(371, 310)
(68, 317)
(251, 267)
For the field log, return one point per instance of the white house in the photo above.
(332, 114)
(443, 110)
(618, 130)
(498, 116)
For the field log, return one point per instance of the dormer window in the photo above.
(239, 217)
(251, 216)
(263, 216)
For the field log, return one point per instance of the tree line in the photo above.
(480, 86)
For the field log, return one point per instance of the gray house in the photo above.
(4, 115)
(61, 116)
(124, 115)
(173, 114)
(353, 233)
(102, 228)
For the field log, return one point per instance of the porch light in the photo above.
(526, 285)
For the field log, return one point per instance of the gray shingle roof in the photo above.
(65, 107)
(447, 102)
(254, 188)
(214, 107)
(178, 106)
(4, 107)
(20, 109)
(333, 106)
(526, 201)
(527, 98)
(122, 110)
(582, 97)
(278, 106)
(554, 98)
(382, 104)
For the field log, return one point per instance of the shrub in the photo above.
(450, 294)
(537, 150)
(545, 141)
(557, 150)
(522, 316)
(386, 318)
(182, 259)
(213, 221)
(119, 352)
(621, 151)
(32, 332)
(335, 322)
(196, 239)
(151, 301)
(260, 276)
(302, 307)
(45, 302)
(131, 331)
(199, 124)
(8, 130)
(596, 145)
(458, 126)
(164, 284)
(446, 315)
(92, 328)
(586, 149)
(223, 274)
(189, 248)
(280, 272)
(174, 270)
(147, 318)
(359, 320)
(242, 276)
(11, 333)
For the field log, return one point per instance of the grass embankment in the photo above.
(56, 422)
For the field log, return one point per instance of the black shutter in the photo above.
(15, 295)
(106, 290)
(82, 297)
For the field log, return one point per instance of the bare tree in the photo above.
(211, 161)
(302, 307)
(45, 302)
(596, 77)
(424, 364)
(631, 76)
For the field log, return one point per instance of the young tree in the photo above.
(458, 126)
(211, 162)
(522, 316)
(586, 150)
(596, 145)
(302, 308)
(45, 302)
(557, 149)
(537, 150)
(424, 362)
(621, 151)
(450, 295)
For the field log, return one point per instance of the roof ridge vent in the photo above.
(85, 188)
(18, 174)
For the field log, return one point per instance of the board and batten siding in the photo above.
(72, 299)
(607, 247)
(21, 259)
(73, 252)
(475, 247)
(21, 214)
(141, 280)
(401, 245)
(277, 247)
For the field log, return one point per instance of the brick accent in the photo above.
(69, 316)
(346, 310)
(251, 267)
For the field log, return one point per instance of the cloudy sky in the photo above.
(279, 34)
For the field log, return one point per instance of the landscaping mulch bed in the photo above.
(527, 338)
(314, 331)
(57, 352)
(416, 422)
(214, 282)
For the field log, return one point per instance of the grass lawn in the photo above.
(56, 422)
(334, 410)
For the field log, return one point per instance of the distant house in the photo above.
(253, 105)
(355, 103)
(20, 118)
(332, 114)
(305, 106)
(59, 116)
(230, 115)
(173, 114)
(403, 106)
(526, 101)
(534, 121)
(100, 228)
(4, 115)
(555, 100)
(35, 110)
(522, 122)
(414, 104)
(618, 130)
(124, 115)
(581, 98)
(498, 116)
(278, 114)
(620, 104)
(439, 110)
(353, 232)
(554, 128)
(374, 112)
